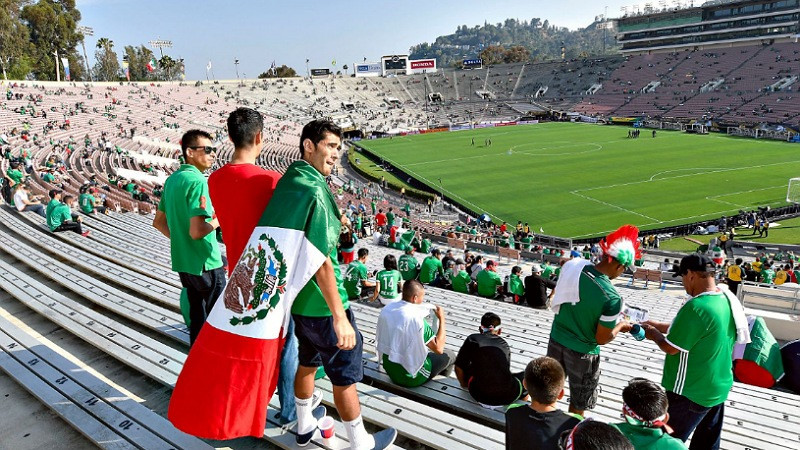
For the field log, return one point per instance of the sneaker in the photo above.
(86, 233)
(384, 438)
(303, 439)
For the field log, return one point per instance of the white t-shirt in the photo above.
(20, 199)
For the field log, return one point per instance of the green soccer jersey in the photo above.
(186, 196)
(649, 438)
(87, 203)
(389, 219)
(704, 332)
(58, 214)
(409, 267)
(515, 285)
(398, 374)
(547, 270)
(767, 276)
(425, 246)
(487, 283)
(430, 267)
(16, 176)
(575, 325)
(355, 274)
(390, 283)
(461, 282)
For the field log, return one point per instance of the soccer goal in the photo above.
(793, 193)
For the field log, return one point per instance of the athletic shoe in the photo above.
(303, 439)
(384, 438)
(86, 233)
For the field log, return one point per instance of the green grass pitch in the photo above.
(582, 180)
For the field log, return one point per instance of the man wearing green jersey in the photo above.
(356, 281)
(461, 279)
(489, 283)
(432, 272)
(408, 265)
(587, 308)
(699, 344)
(389, 282)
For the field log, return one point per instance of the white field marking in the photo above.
(716, 197)
(535, 153)
(523, 152)
(611, 205)
(683, 170)
(689, 175)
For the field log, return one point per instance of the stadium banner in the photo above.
(624, 119)
(588, 119)
(65, 63)
(368, 69)
(505, 124)
(395, 64)
(320, 72)
(484, 125)
(527, 122)
(434, 130)
(420, 65)
(475, 63)
(460, 127)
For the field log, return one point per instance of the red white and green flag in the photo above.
(151, 65)
(231, 371)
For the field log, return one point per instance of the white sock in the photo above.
(306, 422)
(358, 436)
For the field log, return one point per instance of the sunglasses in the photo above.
(206, 148)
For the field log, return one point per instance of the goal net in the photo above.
(793, 193)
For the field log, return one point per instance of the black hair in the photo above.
(544, 378)
(53, 192)
(738, 261)
(390, 262)
(191, 138)
(595, 435)
(412, 288)
(435, 252)
(516, 269)
(490, 319)
(66, 198)
(243, 126)
(645, 398)
(315, 130)
(362, 252)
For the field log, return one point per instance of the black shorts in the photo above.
(317, 347)
(583, 374)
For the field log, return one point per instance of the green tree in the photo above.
(107, 66)
(282, 71)
(167, 66)
(493, 54)
(14, 40)
(52, 27)
(138, 57)
(517, 54)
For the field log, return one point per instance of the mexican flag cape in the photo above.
(400, 238)
(758, 363)
(232, 369)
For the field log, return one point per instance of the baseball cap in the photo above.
(536, 268)
(460, 261)
(696, 263)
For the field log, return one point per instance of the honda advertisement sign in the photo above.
(420, 65)
(368, 69)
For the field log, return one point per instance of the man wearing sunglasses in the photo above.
(186, 217)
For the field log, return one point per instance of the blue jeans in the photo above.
(288, 370)
(686, 416)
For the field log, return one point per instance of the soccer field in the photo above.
(581, 180)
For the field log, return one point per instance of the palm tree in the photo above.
(105, 44)
(168, 64)
(108, 66)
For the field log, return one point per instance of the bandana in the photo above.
(634, 419)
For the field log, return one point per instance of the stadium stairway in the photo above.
(775, 425)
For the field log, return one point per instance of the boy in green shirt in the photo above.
(515, 285)
(356, 277)
(59, 215)
(767, 274)
(461, 279)
(431, 272)
(408, 265)
(645, 411)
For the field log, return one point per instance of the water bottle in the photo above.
(637, 332)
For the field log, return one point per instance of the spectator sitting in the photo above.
(356, 278)
(460, 280)
(59, 215)
(389, 282)
(347, 244)
(408, 265)
(431, 272)
(410, 351)
(88, 203)
(448, 256)
(665, 266)
(536, 288)
(489, 283)
(483, 365)
(540, 424)
(645, 412)
(515, 286)
(23, 203)
(594, 435)
(476, 267)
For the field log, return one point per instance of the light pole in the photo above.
(160, 44)
(86, 31)
(236, 63)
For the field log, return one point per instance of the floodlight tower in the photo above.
(160, 44)
(86, 31)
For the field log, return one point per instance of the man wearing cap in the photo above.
(536, 288)
(489, 282)
(699, 344)
(587, 308)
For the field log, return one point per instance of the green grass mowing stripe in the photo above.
(533, 173)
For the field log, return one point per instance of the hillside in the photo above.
(542, 39)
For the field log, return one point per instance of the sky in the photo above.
(290, 31)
